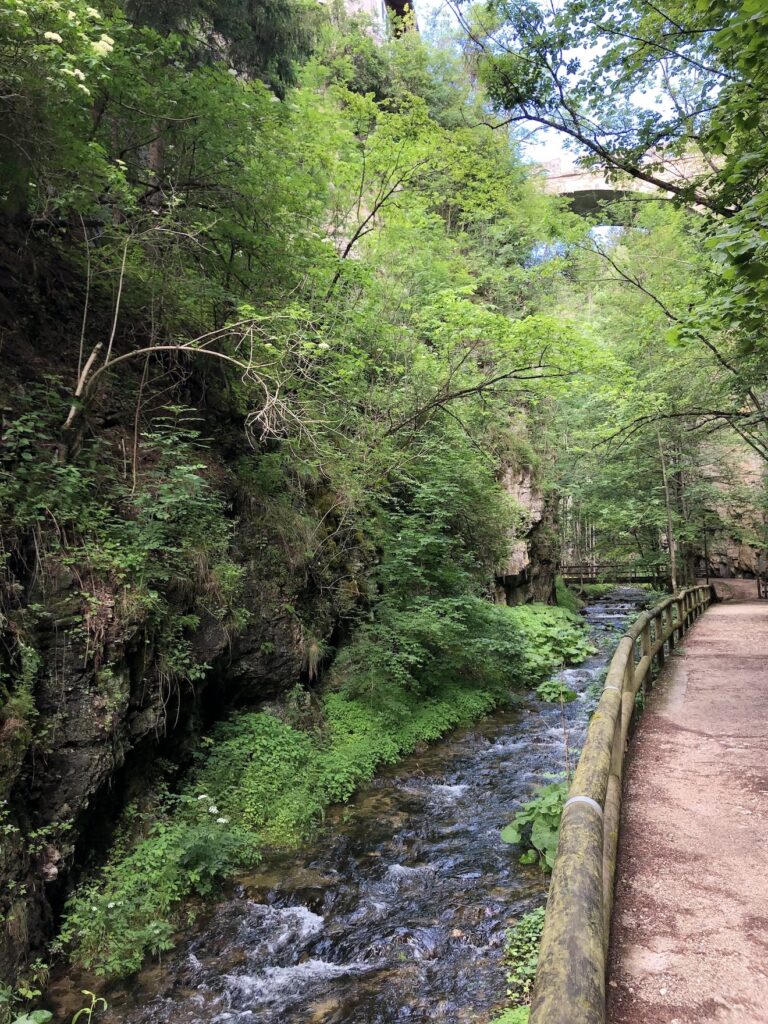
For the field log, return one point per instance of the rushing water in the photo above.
(398, 910)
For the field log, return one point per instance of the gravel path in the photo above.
(690, 929)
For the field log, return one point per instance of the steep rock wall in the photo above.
(529, 573)
(738, 547)
(104, 710)
(96, 730)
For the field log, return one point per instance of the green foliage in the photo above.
(16, 1002)
(567, 598)
(638, 417)
(164, 539)
(96, 1005)
(263, 783)
(704, 64)
(555, 690)
(517, 1015)
(266, 782)
(594, 591)
(114, 923)
(521, 954)
(351, 272)
(553, 637)
(264, 39)
(536, 826)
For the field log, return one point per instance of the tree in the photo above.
(591, 71)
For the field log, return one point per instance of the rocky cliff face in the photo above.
(86, 702)
(529, 573)
(102, 711)
(739, 548)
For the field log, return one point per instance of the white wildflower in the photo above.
(213, 809)
(78, 74)
(92, 12)
(103, 46)
(323, 346)
(222, 821)
(85, 89)
(53, 37)
(203, 796)
(110, 906)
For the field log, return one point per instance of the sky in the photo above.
(545, 145)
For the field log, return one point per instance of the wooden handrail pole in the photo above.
(647, 648)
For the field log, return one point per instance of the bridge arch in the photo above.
(588, 189)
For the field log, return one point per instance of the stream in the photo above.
(398, 909)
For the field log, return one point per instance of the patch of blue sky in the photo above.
(540, 145)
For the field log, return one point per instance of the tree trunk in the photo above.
(668, 506)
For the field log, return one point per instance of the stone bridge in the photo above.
(588, 189)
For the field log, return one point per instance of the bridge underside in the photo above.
(591, 201)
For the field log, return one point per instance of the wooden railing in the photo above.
(570, 981)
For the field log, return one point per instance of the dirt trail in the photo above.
(690, 929)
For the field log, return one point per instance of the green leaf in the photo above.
(511, 834)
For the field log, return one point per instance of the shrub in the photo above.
(555, 690)
(552, 637)
(537, 825)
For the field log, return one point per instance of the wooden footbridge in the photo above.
(685, 942)
(614, 572)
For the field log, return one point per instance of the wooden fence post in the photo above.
(646, 649)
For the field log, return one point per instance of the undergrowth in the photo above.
(148, 544)
(594, 591)
(265, 781)
(553, 637)
(517, 1015)
(567, 598)
(521, 956)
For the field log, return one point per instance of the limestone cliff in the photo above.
(529, 573)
